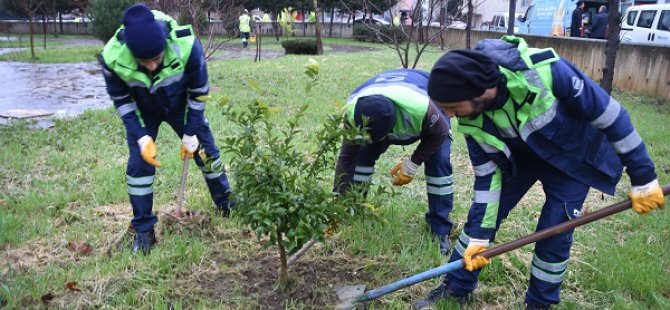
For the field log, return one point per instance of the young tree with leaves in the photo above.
(283, 193)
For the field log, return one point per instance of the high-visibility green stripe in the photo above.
(491, 214)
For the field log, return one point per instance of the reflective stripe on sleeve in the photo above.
(608, 117)
(196, 105)
(628, 143)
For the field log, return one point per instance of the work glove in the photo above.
(148, 150)
(403, 172)
(647, 197)
(189, 144)
(475, 246)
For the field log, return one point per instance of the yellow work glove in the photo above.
(475, 246)
(189, 144)
(403, 172)
(148, 150)
(647, 197)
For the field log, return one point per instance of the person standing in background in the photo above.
(576, 24)
(599, 28)
(245, 27)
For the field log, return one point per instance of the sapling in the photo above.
(283, 174)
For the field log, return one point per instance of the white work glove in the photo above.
(189, 144)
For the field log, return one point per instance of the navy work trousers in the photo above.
(564, 199)
(140, 175)
(439, 183)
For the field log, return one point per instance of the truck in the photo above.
(553, 17)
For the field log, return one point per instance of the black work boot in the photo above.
(534, 306)
(445, 245)
(224, 209)
(143, 242)
(442, 292)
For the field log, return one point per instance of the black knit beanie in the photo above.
(380, 113)
(143, 34)
(462, 74)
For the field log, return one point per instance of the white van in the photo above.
(499, 22)
(648, 24)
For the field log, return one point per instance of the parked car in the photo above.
(374, 21)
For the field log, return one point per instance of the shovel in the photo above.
(177, 213)
(351, 296)
(182, 185)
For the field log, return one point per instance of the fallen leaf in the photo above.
(79, 247)
(72, 286)
(47, 298)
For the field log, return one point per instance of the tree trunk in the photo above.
(44, 30)
(275, 24)
(304, 24)
(612, 46)
(32, 37)
(512, 13)
(317, 26)
(258, 43)
(468, 27)
(283, 267)
(332, 17)
(60, 21)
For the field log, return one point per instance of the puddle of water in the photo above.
(41, 91)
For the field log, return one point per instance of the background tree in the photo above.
(512, 14)
(28, 8)
(317, 26)
(409, 41)
(613, 41)
(106, 17)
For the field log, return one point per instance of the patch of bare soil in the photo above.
(351, 48)
(312, 280)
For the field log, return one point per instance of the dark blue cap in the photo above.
(380, 112)
(144, 35)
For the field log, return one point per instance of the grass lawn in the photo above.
(65, 185)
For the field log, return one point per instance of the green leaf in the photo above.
(312, 66)
(254, 84)
(222, 102)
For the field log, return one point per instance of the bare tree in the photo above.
(257, 29)
(29, 8)
(612, 46)
(512, 13)
(196, 13)
(410, 41)
(468, 25)
(317, 25)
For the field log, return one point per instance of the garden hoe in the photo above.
(352, 296)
